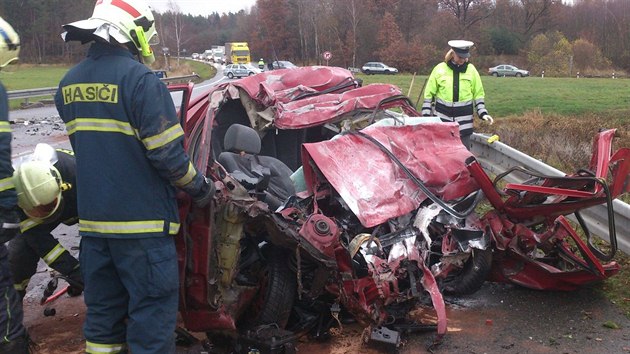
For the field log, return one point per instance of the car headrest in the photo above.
(239, 138)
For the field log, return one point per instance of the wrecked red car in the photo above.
(337, 200)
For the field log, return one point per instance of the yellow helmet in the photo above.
(127, 21)
(9, 44)
(38, 185)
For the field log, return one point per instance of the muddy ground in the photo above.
(497, 319)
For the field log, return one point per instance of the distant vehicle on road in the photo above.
(375, 67)
(507, 70)
(282, 64)
(239, 70)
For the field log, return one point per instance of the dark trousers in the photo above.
(11, 315)
(131, 293)
(26, 249)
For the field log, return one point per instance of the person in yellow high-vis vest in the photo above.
(454, 91)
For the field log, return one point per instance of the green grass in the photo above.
(21, 77)
(507, 96)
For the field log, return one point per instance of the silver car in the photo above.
(239, 70)
(507, 70)
(375, 67)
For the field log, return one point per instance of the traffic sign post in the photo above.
(327, 55)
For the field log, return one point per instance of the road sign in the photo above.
(327, 55)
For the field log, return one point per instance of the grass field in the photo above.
(20, 77)
(507, 96)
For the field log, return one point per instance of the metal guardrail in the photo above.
(50, 91)
(497, 158)
(29, 93)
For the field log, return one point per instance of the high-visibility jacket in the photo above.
(455, 90)
(128, 144)
(8, 197)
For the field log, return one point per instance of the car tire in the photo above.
(367, 72)
(250, 73)
(495, 74)
(519, 75)
(276, 296)
(230, 75)
(472, 275)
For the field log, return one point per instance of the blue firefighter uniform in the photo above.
(37, 241)
(130, 157)
(11, 328)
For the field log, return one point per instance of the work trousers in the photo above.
(131, 293)
(11, 315)
(26, 249)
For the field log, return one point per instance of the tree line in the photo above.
(559, 37)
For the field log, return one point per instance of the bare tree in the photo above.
(178, 25)
(468, 12)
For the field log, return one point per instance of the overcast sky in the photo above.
(203, 7)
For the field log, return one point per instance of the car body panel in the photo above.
(377, 197)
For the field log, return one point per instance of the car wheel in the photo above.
(519, 75)
(274, 300)
(495, 74)
(250, 73)
(367, 72)
(230, 75)
(472, 275)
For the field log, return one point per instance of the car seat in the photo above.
(266, 175)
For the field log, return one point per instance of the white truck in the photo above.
(218, 52)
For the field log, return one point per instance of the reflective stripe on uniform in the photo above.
(165, 137)
(21, 286)
(28, 224)
(6, 183)
(103, 348)
(173, 228)
(52, 256)
(5, 127)
(188, 177)
(99, 125)
(454, 104)
(125, 227)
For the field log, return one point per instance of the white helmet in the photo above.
(9, 44)
(127, 21)
(38, 185)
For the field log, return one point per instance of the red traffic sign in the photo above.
(327, 55)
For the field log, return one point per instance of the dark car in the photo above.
(507, 70)
(282, 64)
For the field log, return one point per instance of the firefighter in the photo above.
(47, 195)
(261, 64)
(14, 338)
(455, 88)
(130, 156)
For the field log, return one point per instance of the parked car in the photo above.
(375, 67)
(282, 64)
(239, 70)
(507, 70)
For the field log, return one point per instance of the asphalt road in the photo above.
(497, 319)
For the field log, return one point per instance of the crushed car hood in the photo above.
(373, 186)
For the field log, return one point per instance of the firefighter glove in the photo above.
(488, 119)
(9, 223)
(205, 196)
